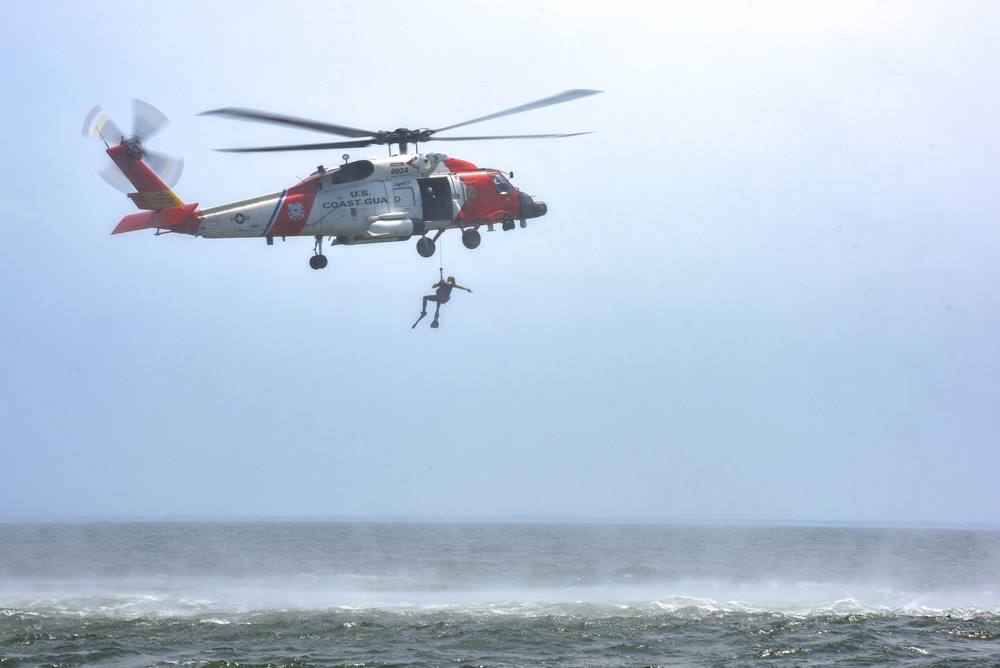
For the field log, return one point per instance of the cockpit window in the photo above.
(503, 185)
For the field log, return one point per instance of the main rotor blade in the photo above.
(550, 136)
(565, 96)
(300, 147)
(242, 114)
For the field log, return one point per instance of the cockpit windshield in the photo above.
(503, 185)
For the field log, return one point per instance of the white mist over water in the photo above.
(171, 569)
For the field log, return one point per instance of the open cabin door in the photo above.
(436, 198)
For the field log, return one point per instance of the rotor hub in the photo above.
(134, 147)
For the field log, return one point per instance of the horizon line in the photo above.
(512, 519)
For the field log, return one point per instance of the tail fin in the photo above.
(153, 194)
(163, 209)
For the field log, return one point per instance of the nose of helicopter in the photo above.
(530, 208)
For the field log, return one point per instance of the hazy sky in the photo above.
(766, 288)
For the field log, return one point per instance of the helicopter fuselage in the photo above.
(364, 201)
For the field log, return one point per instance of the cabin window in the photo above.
(352, 171)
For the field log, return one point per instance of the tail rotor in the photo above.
(147, 121)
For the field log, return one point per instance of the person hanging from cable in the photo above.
(442, 293)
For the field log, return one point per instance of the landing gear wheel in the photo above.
(471, 239)
(318, 260)
(425, 247)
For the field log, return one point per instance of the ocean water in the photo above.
(495, 594)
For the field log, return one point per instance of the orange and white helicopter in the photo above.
(362, 201)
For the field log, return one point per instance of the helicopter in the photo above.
(392, 198)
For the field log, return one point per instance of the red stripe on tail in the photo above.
(153, 194)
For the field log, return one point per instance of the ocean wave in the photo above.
(673, 631)
(225, 611)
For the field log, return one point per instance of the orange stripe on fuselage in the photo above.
(483, 203)
(292, 215)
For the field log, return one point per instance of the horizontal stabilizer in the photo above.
(175, 219)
